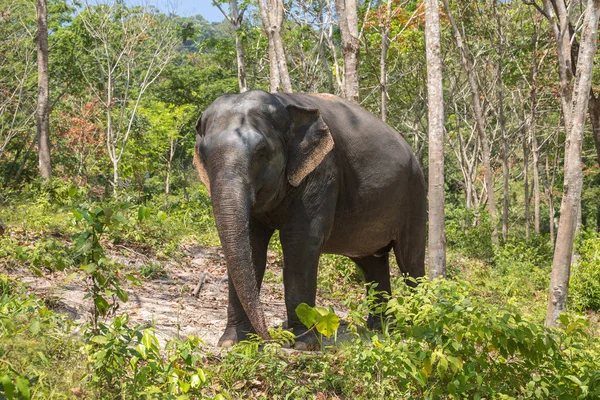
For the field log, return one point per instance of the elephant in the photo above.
(324, 172)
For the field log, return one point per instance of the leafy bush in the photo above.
(468, 237)
(443, 343)
(129, 363)
(37, 351)
(585, 279)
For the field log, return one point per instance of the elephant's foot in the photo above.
(375, 322)
(305, 340)
(233, 335)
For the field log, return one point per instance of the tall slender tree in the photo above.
(235, 18)
(502, 121)
(573, 179)
(43, 106)
(385, 45)
(467, 63)
(435, 100)
(272, 14)
(348, 20)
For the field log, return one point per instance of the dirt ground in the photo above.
(168, 303)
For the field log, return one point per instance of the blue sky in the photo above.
(186, 8)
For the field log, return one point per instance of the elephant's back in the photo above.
(355, 131)
(380, 177)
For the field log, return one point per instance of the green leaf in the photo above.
(9, 388)
(122, 295)
(328, 324)
(321, 311)
(427, 367)
(184, 386)
(35, 326)
(442, 366)
(101, 304)
(564, 319)
(99, 339)
(22, 385)
(306, 314)
(89, 268)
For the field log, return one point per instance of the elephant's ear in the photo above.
(309, 142)
(198, 163)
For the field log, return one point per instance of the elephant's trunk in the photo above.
(232, 200)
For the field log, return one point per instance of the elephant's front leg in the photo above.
(301, 251)
(238, 324)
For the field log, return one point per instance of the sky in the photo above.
(186, 8)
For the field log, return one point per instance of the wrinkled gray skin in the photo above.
(331, 177)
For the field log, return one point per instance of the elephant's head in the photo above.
(249, 148)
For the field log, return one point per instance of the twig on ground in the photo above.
(198, 287)
(133, 251)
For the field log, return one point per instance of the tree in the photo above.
(570, 205)
(235, 19)
(502, 122)
(17, 96)
(128, 50)
(479, 118)
(43, 106)
(348, 21)
(385, 45)
(435, 99)
(272, 16)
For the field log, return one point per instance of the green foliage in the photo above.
(130, 363)
(469, 232)
(584, 288)
(102, 274)
(322, 319)
(152, 270)
(37, 352)
(45, 254)
(443, 342)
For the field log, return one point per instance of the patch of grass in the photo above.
(40, 357)
(152, 270)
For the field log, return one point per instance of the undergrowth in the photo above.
(478, 334)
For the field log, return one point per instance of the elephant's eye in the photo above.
(261, 151)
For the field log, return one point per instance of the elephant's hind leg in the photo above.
(376, 269)
(238, 324)
(409, 248)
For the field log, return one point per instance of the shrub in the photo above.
(474, 240)
(584, 287)
(129, 363)
(38, 354)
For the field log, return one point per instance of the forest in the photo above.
(113, 281)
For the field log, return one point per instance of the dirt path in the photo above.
(168, 303)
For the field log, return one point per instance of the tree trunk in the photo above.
(550, 178)
(236, 20)
(272, 15)
(573, 180)
(505, 147)
(435, 101)
(535, 151)
(534, 143)
(173, 144)
(562, 37)
(594, 109)
(168, 184)
(43, 106)
(348, 21)
(479, 120)
(274, 77)
(526, 183)
(385, 45)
